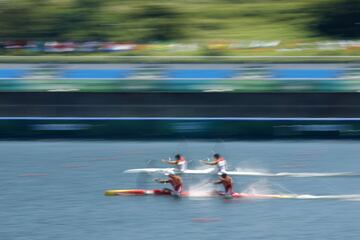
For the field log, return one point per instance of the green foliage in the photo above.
(50, 20)
(16, 19)
(198, 21)
(337, 19)
(158, 23)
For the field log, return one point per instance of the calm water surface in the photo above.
(54, 190)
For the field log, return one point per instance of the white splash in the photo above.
(346, 197)
(260, 187)
(263, 187)
(201, 189)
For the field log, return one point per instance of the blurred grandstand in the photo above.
(180, 77)
(220, 47)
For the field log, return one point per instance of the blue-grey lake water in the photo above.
(54, 190)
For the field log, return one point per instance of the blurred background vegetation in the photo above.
(185, 21)
(148, 21)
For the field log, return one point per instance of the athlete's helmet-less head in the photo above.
(217, 156)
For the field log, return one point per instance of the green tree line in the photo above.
(145, 21)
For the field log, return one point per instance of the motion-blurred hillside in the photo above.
(208, 27)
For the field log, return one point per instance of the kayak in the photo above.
(166, 170)
(254, 173)
(161, 192)
(140, 192)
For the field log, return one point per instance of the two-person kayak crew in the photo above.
(179, 162)
(177, 184)
(175, 181)
(227, 182)
(217, 161)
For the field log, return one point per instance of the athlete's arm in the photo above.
(210, 163)
(170, 162)
(161, 180)
(220, 181)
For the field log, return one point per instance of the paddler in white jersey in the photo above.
(218, 161)
(179, 162)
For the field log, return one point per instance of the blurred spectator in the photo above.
(88, 46)
(117, 47)
(59, 47)
(14, 44)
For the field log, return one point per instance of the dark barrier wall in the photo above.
(178, 128)
(51, 104)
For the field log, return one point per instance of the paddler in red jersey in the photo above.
(227, 182)
(179, 162)
(175, 181)
(218, 161)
